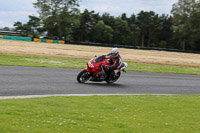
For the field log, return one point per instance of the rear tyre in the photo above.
(83, 76)
(115, 78)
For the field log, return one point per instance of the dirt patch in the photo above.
(87, 52)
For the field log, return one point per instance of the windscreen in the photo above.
(98, 59)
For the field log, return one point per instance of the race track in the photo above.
(22, 81)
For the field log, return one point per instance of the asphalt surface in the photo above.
(22, 81)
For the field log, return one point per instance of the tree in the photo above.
(108, 20)
(165, 33)
(154, 27)
(47, 8)
(33, 24)
(134, 29)
(6, 29)
(122, 32)
(58, 16)
(101, 33)
(66, 26)
(23, 29)
(88, 19)
(182, 12)
(148, 23)
(195, 21)
(30, 28)
(124, 17)
(19, 26)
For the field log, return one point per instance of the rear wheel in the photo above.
(114, 79)
(83, 76)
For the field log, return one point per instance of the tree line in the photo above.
(62, 19)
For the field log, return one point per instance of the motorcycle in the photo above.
(96, 71)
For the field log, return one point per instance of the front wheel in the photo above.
(83, 76)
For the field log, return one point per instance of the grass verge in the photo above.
(20, 60)
(138, 114)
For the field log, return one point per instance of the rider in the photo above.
(115, 61)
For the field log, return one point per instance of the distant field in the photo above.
(87, 52)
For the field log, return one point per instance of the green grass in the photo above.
(37, 61)
(163, 69)
(19, 60)
(102, 114)
(117, 114)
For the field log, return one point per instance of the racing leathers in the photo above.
(115, 63)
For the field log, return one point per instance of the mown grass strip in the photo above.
(37, 61)
(138, 114)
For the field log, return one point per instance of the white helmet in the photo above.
(114, 52)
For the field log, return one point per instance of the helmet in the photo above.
(114, 52)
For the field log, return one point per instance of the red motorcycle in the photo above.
(96, 72)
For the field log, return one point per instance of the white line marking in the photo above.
(55, 95)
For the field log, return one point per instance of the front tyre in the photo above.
(83, 76)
